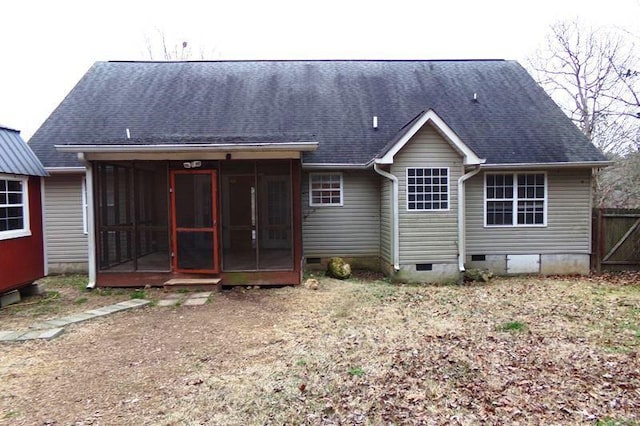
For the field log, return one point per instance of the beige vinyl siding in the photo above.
(66, 241)
(568, 227)
(385, 221)
(350, 230)
(428, 236)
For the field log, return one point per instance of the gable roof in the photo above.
(511, 120)
(16, 157)
(427, 117)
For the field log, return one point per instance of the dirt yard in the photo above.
(516, 351)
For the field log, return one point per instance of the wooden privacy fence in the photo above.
(616, 239)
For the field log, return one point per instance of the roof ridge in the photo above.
(300, 60)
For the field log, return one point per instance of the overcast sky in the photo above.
(47, 46)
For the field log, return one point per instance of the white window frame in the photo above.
(448, 193)
(515, 200)
(311, 190)
(26, 226)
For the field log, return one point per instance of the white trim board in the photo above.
(430, 117)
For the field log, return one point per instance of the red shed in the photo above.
(21, 236)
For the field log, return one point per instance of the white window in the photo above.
(515, 199)
(427, 189)
(14, 207)
(325, 189)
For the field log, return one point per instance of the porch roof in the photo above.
(201, 144)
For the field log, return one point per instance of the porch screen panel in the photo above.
(132, 216)
(275, 234)
(238, 208)
(152, 220)
(115, 217)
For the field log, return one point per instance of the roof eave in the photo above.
(566, 164)
(340, 166)
(229, 147)
(61, 170)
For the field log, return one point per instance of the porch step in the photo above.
(204, 284)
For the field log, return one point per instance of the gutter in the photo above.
(395, 241)
(510, 166)
(335, 166)
(461, 213)
(60, 170)
(228, 147)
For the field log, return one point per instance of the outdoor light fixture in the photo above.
(192, 164)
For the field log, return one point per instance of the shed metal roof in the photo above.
(16, 157)
(511, 119)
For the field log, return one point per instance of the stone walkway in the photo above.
(185, 299)
(49, 329)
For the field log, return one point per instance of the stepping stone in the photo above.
(168, 302)
(196, 301)
(174, 295)
(202, 294)
(9, 336)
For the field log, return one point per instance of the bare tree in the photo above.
(593, 74)
(157, 47)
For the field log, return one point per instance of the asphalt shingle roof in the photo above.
(16, 157)
(513, 120)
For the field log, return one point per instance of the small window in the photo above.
(427, 189)
(515, 199)
(325, 189)
(14, 207)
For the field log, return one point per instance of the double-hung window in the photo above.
(427, 189)
(515, 199)
(325, 189)
(14, 207)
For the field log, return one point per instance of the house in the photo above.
(253, 170)
(21, 230)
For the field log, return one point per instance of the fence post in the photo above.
(599, 241)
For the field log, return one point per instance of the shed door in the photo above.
(194, 224)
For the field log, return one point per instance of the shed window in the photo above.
(517, 199)
(427, 189)
(14, 207)
(325, 189)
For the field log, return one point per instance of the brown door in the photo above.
(194, 221)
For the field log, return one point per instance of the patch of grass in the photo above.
(11, 414)
(301, 362)
(356, 371)
(512, 326)
(138, 294)
(80, 300)
(608, 421)
(77, 281)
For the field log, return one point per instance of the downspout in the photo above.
(395, 245)
(461, 214)
(91, 240)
